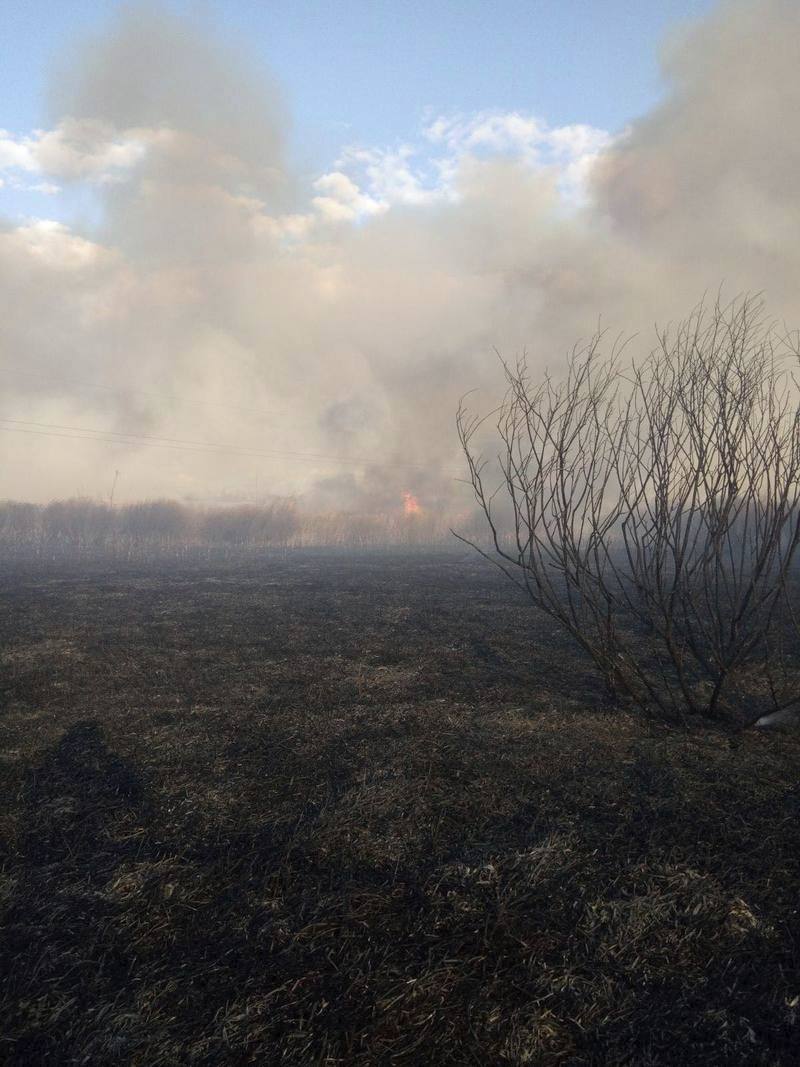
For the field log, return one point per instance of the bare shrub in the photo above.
(250, 526)
(341, 529)
(653, 508)
(19, 523)
(78, 524)
(230, 527)
(157, 522)
(363, 530)
(277, 523)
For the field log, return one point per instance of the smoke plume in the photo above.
(237, 332)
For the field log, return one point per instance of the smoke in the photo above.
(322, 334)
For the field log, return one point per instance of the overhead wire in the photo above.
(179, 444)
(115, 437)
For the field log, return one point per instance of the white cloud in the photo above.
(54, 245)
(392, 175)
(499, 132)
(88, 149)
(368, 181)
(341, 199)
(15, 154)
(77, 149)
(577, 140)
(365, 181)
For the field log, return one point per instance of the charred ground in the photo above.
(326, 810)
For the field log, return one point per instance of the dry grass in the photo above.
(333, 813)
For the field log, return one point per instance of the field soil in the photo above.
(330, 810)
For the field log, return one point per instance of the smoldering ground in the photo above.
(213, 294)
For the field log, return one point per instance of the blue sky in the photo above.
(370, 72)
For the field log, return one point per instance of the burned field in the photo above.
(336, 810)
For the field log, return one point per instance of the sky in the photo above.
(370, 72)
(251, 251)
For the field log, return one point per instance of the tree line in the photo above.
(83, 527)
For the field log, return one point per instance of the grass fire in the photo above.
(411, 506)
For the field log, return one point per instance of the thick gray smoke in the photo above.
(216, 299)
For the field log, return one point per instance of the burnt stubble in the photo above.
(328, 809)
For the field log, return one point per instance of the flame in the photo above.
(411, 506)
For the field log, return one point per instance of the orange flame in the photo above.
(411, 506)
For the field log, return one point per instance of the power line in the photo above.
(114, 437)
(129, 436)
